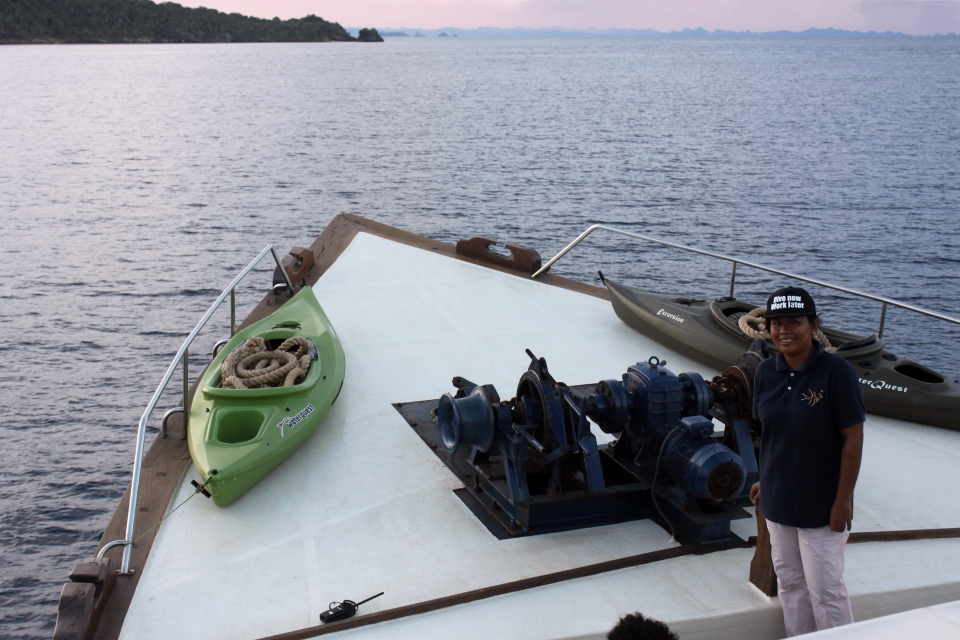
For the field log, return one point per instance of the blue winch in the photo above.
(534, 464)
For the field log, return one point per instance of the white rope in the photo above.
(253, 365)
(753, 325)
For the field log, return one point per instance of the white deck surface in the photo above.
(365, 506)
(941, 622)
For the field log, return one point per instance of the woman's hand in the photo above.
(841, 515)
(755, 494)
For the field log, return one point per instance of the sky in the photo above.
(918, 17)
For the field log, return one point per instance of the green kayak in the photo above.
(237, 435)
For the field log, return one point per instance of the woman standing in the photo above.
(811, 408)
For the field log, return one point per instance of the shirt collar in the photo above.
(817, 352)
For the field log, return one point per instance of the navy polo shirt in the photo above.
(803, 411)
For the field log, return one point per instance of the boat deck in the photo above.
(365, 506)
(939, 622)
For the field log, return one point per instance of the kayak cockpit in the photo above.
(727, 312)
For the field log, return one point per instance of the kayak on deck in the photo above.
(707, 330)
(237, 435)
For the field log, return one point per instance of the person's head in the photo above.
(634, 626)
(792, 321)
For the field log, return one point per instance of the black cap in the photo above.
(790, 301)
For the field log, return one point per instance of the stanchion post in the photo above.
(186, 392)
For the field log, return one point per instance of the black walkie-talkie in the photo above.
(343, 610)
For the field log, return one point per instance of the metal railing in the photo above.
(733, 273)
(181, 357)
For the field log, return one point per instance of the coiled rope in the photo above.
(752, 324)
(254, 365)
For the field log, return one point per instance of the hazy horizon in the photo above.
(914, 17)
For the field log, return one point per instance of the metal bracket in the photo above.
(217, 347)
(163, 423)
(522, 258)
(295, 267)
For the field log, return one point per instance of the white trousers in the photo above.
(809, 566)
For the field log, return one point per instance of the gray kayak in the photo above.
(707, 331)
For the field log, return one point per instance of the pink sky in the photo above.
(909, 16)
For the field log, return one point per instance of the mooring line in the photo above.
(200, 487)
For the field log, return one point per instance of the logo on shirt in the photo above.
(812, 398)
(667, 314)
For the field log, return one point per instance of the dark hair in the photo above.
(634, 626)
(812, 318)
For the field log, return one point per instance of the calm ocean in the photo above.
(136, 180)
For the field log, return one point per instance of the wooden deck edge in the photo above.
(905, 535)
(347, 224)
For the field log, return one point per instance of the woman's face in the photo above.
(793, 336)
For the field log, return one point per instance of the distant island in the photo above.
(130, 21)
(691, 34)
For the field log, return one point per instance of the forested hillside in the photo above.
(74, 21)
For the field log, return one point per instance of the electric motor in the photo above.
(649, 401)
(701, 465)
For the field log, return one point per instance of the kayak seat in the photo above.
(856, 344)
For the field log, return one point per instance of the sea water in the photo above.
(137, 180)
